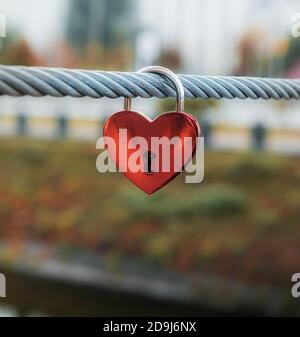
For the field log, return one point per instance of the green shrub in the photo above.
(257, 167)
(215, 200)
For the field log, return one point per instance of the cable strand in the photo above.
(59, 82)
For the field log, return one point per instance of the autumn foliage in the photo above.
(242, 222)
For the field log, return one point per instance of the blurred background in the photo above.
(77, 242)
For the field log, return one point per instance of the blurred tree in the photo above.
(10, 39)
(292, 55)
(107, 22)
(279, 51)
(289, 58)
(15, 50)
(253, 54)
(61, 54)
(171, 58)
(246, 51)
(19, 52)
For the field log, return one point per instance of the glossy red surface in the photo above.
(172, 124)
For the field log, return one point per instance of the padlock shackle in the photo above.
(172, 77)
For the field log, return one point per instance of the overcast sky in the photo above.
(39, 20)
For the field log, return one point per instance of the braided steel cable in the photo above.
(58, 82)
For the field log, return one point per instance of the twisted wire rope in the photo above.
(58, 82)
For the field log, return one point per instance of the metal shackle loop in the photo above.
(172, 77)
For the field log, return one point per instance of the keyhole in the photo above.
(148, 158)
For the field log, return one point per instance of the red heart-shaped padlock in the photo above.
(129, 128)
